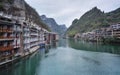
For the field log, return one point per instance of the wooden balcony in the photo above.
(116, 35)
(6, 48)
(6, 30)
(2, 38)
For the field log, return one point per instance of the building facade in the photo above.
(20, 39)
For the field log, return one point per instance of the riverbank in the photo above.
(17, 59)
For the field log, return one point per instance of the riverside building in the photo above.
(21, 39)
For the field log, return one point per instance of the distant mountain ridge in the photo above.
(93, 19)
(52, 24)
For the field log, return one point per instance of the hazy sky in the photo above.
(65, 11)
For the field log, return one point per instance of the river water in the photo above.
(70, 57)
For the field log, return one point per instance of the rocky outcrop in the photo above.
(19, 9)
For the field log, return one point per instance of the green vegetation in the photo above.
(10, 1)
(7, 1)
(1, 7)
(111, 40)
(93, 19)
(34, 16)
(72, 32)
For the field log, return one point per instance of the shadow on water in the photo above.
(39, 63)
(94, 46)
(63, 43)
(29, 64)
(26, 66)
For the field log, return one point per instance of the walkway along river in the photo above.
(70, 57)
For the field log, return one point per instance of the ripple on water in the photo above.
(68, 61)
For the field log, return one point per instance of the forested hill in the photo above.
(93, 19)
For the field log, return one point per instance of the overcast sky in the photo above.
(65, 11)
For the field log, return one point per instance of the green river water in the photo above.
(70, 57)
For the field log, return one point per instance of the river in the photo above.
(70, 57)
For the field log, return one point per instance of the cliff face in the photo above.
(19, 4)
(50, 22)
(63, 27)
(53, 25)
(13, 7)
(19, 9)
(93, 19)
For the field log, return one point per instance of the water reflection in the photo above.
(94, 46)
(63, 43)
(68, 61)
(54, 44)
(26, 66)
(68, 58)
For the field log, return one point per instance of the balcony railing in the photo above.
(6, 48)
(6, 38)
(17, 46)
(17, 30)
(4, 58)
(34, 34)
(6, 30)
(2, 37)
